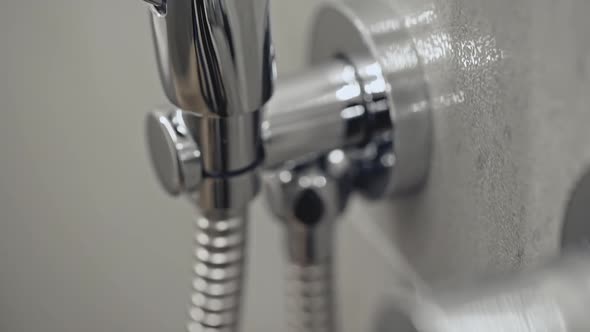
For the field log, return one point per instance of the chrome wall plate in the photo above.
(378, 45)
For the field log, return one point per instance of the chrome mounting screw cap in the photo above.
(175, 155)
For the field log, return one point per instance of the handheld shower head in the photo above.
(215, 57)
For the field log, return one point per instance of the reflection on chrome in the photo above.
(374, 81)
(352, 112)
(434, 47)
(423, 18)
(348, 92)
(400, 57)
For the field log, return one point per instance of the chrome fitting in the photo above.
(175, 156)
(308, 199)
(396, 157)
(357, 121)
(216, 64)
(365, 93)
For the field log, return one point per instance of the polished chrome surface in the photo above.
(310, 292)
(313, 112)
(221, 193)
(175, 155)
(221, 230)
(392, 79)
(554, 298)
(219, 271)
(309, 202)
(371, 112)
(216, 63)
(215, 57)
(229, 145)
(308, 199)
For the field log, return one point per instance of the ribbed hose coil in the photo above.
(218, 274)
(310, 303)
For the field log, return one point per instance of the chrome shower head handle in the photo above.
(216, 63)
(215, 57)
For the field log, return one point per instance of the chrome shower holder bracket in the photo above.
(396, 157)
(357, 120)
(390, 153)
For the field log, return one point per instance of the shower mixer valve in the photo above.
(357, 120)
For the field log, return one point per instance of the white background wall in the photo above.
(89, 242)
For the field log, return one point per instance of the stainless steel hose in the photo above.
(310, 298)
(308, 201)
(219, 272)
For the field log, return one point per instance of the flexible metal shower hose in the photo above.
(219, 273)
(310, 303)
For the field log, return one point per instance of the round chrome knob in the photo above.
(175, 155)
